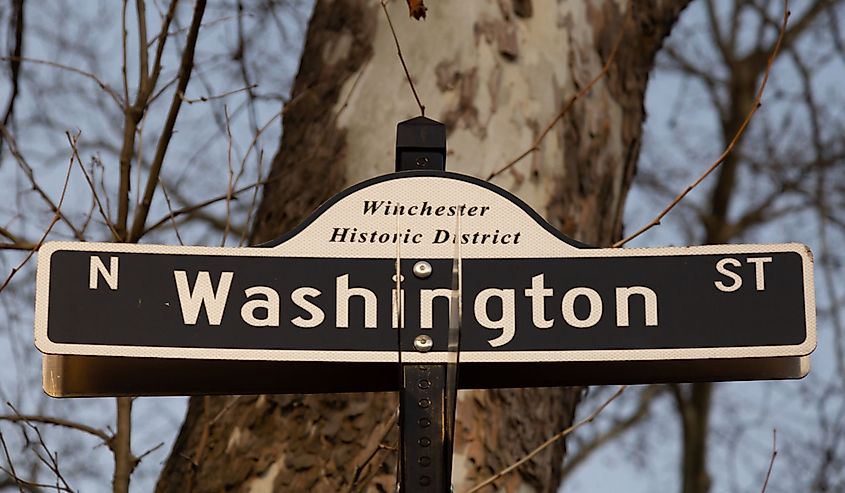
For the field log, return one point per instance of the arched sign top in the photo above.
(421, 214)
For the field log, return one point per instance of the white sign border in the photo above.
(564, 250)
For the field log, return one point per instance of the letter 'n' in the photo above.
(97, 268)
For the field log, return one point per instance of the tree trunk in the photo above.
(694, 410)
(496, 72)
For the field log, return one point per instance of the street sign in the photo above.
(319, 310)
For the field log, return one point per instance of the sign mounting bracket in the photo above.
(426, 428)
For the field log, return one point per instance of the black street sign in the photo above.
(319, 310)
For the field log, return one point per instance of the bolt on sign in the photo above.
(321, 309)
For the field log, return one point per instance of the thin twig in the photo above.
(231, 176)
(73, 140)
(53, 463)
(193, 208)
(203, 99)
(253, 202)
(124, 56)
(24, 245)
(225, 409)
(32, 485)
(375, 443)
(550, 441)
(148, 452)
(772, 460)
(185, 68)
(402, 58)
(60, 422)
(14, 65)
(535, 146)
(260, 171)
(170, 213)
(56, 217)
(11, 472)
(9, 235)
(162, 39)
(646, 397)
(105, 87)
(30, 175)
(740, 131)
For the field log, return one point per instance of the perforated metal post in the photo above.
(426, 450)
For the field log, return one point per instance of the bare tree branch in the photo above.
(12, 473)
(133, 114)
(184, 76)
(14, 64)
(124, 462)
(105, 87)
(143, 55)
(647, 396)
(30, 175)
(798, 27)
(755, 106)
(402, 58)
(716, 34)
(30, 486)
(366, 455)
(201, 205)
(53, 462)
(205, 99)
(550, 441)
(61, 422)
(170, 211)
(772, 461)
(73, 140)
(56, 216)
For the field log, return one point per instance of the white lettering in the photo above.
(505, 322)
(98, 268)
(427, 304)
(316, 314)
(722, 269)
(538, 292)
(622, 305)
(270, 303)
(568, 308)
(192, 301)
(344, 292)
(759, 265)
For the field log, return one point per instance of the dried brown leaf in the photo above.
(416, 9)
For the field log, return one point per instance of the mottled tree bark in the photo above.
(495, 71)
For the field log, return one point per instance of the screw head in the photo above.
(422, 269)
(423, 343)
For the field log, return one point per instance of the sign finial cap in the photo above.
(420, 144)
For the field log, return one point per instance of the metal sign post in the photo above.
(426, 405)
